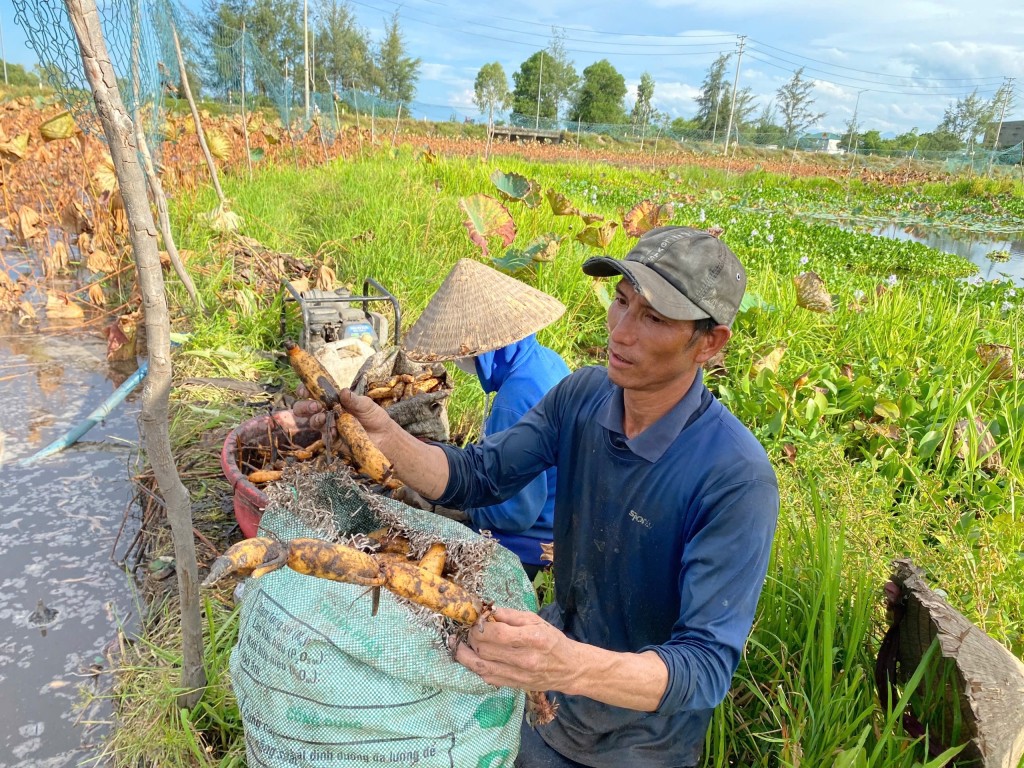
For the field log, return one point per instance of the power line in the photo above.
(647, 45)
(868, 72)
(584, 30)
(715, 48)
(880, 87)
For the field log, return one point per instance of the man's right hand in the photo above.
(422, 466)
(374, 419)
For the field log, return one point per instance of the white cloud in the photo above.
(676, 99)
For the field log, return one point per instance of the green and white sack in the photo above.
(321, 682)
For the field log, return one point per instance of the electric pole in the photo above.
(540, 79)
(732, 100)
(1007, 91)
(851, 145)
(3, 54)
(305, 53)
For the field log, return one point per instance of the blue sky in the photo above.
(899, 63)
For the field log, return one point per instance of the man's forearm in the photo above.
(629, 680)
(421, 466)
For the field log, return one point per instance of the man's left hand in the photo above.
(520, 650)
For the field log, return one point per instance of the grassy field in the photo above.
(857, 407)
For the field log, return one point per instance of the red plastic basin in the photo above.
(249, 501)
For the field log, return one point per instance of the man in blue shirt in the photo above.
(486, 321)
(665, 512)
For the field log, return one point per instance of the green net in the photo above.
(131, 44)
(981, 160)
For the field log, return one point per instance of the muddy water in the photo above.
(58, 522)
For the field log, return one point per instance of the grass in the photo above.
(858, 417)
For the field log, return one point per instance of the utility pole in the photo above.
(3, 54)
(287, 96)
(305, 53)
(732, 100)
(1007, 95)
(851, 145)
(540, 79)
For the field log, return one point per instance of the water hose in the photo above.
(94, 418)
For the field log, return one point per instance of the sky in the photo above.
(899, 64)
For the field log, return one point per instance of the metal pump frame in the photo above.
(383, 295)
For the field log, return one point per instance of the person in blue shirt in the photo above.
(486, 321)
(665, 513)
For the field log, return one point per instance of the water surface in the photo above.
(58, 522)
(974, 247)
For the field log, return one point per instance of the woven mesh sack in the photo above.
(322, 682)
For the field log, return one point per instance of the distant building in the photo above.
(830, 143)
(1010, 134)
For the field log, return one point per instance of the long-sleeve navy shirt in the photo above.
(662, 543)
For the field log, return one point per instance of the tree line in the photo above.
(546, 87)
(342, 54)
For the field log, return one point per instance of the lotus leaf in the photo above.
(487, 217)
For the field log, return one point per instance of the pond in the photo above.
(60, 534)
(972, 246)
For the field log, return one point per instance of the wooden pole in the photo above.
(305, 54)
(117, 127)
(398, 120)
(195, 116)
(245, 119)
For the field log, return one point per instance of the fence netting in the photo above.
(228, 66)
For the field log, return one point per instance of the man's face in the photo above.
(646, 350)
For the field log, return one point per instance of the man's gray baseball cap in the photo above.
(684, 273)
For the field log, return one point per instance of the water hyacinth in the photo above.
(892, 280)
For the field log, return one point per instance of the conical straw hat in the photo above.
(478, 309)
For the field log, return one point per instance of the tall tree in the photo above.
(343, 56)
(563, 77)
(745, 107)
(273, 27)
(531, 95)
(544, 82)
(642, 109)
(396, 73)
(490, 91)
(795, 102)
(713, 91)
(966, 118)
(600, 95)
(766, 131)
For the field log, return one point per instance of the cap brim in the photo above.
(659, 292)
